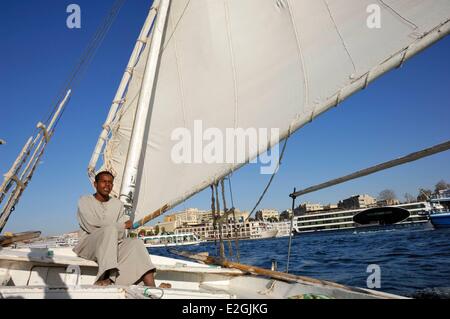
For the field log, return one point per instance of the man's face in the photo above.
(104, 185)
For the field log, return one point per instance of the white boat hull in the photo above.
(38, 274)
(173, 244)
(271, 233)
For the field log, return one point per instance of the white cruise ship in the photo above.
(283, 228)
(247, 230)
(344, 219)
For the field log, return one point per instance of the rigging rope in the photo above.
(213, 212)
(271, 178)
(290, 231)
(225, 212)
(42, 136)
(231, 191)
(260, 198)
(221, 246)
(235, 226)
(87, 56)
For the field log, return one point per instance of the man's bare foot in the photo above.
(106, 282)
(165, 285)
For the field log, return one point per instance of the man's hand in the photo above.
(128, 225)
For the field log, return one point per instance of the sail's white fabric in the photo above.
(259, 64)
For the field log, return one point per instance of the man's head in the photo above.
(104, 182)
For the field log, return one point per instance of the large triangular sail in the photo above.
(259, 64)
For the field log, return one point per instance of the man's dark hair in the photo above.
(97, 177)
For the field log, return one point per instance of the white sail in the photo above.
(116, 149)
(260, 64)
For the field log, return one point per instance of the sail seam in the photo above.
(300, 55)
(233, 65)
(412, 24)
(430, 37)
(176, 27)
(340, 35)
(180, 77)
(269, 183)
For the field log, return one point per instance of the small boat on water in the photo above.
(171, 240)
(264, 231)
(265, 234)
(440, 217)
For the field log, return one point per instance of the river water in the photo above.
(411, 260)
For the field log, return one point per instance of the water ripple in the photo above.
(410, 260)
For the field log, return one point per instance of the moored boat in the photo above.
(339, 220)
(440, 219)
(265, 234)
(171, 240)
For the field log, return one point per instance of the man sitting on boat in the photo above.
(121, 261)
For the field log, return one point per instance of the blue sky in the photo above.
(406, 110)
